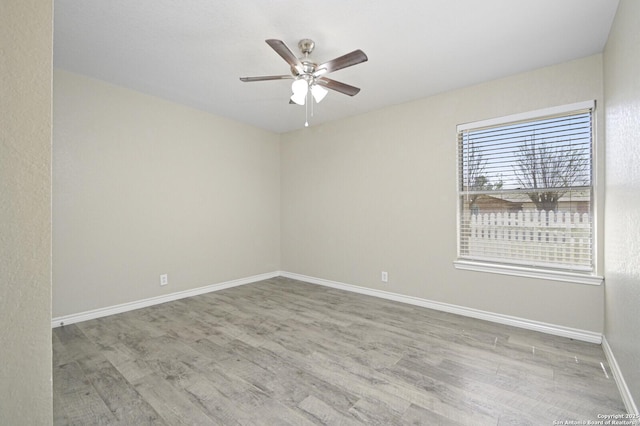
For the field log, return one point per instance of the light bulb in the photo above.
(299, 98)
(318, 92)
(299, 87)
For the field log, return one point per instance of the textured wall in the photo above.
(378, 192)
(622, 214)
(143, 187)
(25, 212)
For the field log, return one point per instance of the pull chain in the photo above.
(306, 111)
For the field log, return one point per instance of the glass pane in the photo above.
(508, 227)
(546, 153)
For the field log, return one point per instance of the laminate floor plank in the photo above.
(278, 414)
(121, 397)
(288, 382)
(81, 403)
(416, 415)
(174, 407)
(478, 392)
(284, 352)
(325, 413)
(385, 384)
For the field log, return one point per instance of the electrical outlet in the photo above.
(384, 277)
(164, 279)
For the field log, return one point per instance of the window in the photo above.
(525, 193)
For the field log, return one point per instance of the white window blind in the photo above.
(525, 190)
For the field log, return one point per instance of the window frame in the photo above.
(589, 277)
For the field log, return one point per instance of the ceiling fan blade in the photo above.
(344, 61)
(337, 86)
(286, 53)
(266, 78)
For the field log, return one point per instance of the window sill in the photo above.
(493, 268)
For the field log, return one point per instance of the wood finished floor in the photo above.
(283, 352)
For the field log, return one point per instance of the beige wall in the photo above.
(144, 187)
(377, 192)
(25, 212)
(622, 214)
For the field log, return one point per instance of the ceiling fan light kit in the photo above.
(308, 76)
(318, 92)
(299, 87)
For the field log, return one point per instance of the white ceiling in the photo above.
(193, 51)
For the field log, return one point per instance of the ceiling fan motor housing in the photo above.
(307, 67)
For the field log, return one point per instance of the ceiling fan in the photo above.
(308, 76)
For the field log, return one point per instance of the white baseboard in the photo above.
(130, 306)
(583, 335)
(558, 330)
(629, 404)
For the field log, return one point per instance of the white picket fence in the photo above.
(536, 238)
